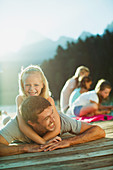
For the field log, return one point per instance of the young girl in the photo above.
(70, 85)
(32, 82)
(83, 87)
(89, 103)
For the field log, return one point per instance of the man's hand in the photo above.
(30, 148)
(35, 148)
(52, 146)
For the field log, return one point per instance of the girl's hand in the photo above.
(52, 146)
(55, 139)
(107, 111)
(93, 101)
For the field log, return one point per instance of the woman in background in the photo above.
(84, 86)
(70, 85)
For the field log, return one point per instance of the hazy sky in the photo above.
(51, 18)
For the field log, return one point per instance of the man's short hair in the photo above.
(32, 106)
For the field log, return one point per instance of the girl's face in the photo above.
(88, 85)
(32, 84)
(105, 93)
(83, 74)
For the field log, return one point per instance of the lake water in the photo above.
(8, 108)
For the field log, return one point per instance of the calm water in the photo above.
(8, 108)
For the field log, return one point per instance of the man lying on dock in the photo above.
(38, 113)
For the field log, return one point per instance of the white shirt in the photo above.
(65, 94)
(84, 98)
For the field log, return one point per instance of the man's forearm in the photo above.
(91, 134)
(6, 150)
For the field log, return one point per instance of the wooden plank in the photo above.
(79, 164)
(60, 154)
(105, 168)
(68, 166)
(90, 145)
(109, 135)
(35, 161)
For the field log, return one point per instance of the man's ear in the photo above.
(31, 123)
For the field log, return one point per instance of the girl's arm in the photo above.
(27, 130)
(98, 112)
(105, 107)
(54, 133)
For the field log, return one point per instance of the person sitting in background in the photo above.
(89, 103)
(70, 85)
(84, 86)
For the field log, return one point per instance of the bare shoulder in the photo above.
(3, 140)
(51, 100)
(19, 100)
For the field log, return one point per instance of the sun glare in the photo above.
(10, 41)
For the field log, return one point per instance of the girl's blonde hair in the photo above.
(33, 69)
(102, 84)
(79, 70)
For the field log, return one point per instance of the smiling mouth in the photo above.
(52, 125)
(32, 94)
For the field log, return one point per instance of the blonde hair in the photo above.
(33, 69)
(77, 76)
(79, 70)
(102, 84)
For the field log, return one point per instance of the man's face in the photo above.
(46, 119)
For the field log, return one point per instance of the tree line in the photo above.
(96, 53)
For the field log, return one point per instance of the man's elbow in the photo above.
(101, 132)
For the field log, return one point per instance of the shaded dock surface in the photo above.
(92, 155)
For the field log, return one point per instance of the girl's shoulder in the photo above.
(91, 93)
(71, 83)
(51, 100)
(19, 99)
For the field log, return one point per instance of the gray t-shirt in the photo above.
(69, 125)
(11, 131)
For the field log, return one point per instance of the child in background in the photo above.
(70, 85)
(84, 86)
(32, 82)
(89, 103)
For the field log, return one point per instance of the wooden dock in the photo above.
(92, 155)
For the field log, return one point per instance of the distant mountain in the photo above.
(63, 41)
(85, 35)
(110, 27)
(38, 48)
(39, 51)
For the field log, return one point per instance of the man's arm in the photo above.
(88, 133)
(6, 149)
